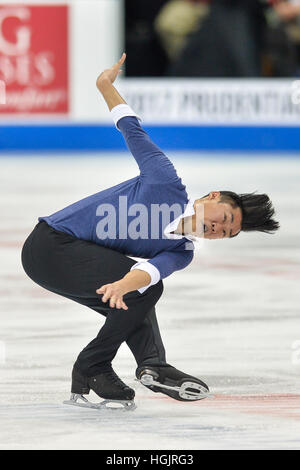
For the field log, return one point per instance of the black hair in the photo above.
(257, 211)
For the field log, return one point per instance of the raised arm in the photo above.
(105, 84)
(155, 167)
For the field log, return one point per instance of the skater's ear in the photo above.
(214, 196)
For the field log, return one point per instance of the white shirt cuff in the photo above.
(120, 111)
(151, 270)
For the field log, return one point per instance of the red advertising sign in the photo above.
(34, 58)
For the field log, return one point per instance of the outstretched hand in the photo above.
(114, 293)
(112, 73)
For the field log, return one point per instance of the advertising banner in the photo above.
(213, 102)
(34, 59)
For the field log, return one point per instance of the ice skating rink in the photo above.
(231, 318)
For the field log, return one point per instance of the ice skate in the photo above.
(172, 382)
(106, 385)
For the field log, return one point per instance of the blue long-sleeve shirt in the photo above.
(105, 217)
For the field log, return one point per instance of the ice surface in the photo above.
(231, 318)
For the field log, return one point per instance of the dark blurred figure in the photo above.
(228, 44)
(145, 55)
(282, 58)
(177, 21)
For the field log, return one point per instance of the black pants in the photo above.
(74, 269)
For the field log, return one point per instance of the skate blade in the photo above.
(189, 391)
(117, 405)
(193, 391)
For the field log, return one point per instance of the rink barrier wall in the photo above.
(99, 138)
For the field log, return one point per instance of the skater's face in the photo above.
(219, 219)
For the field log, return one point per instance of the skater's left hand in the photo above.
(114, 292)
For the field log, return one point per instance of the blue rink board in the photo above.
(91, 138)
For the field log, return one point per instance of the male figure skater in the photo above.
(83, 253)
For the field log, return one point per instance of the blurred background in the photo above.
(204, 74)
(213, 38)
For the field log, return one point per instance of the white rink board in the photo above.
(215, 101)
(232, 318)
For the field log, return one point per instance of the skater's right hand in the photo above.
(114, 292)
(110, 75)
